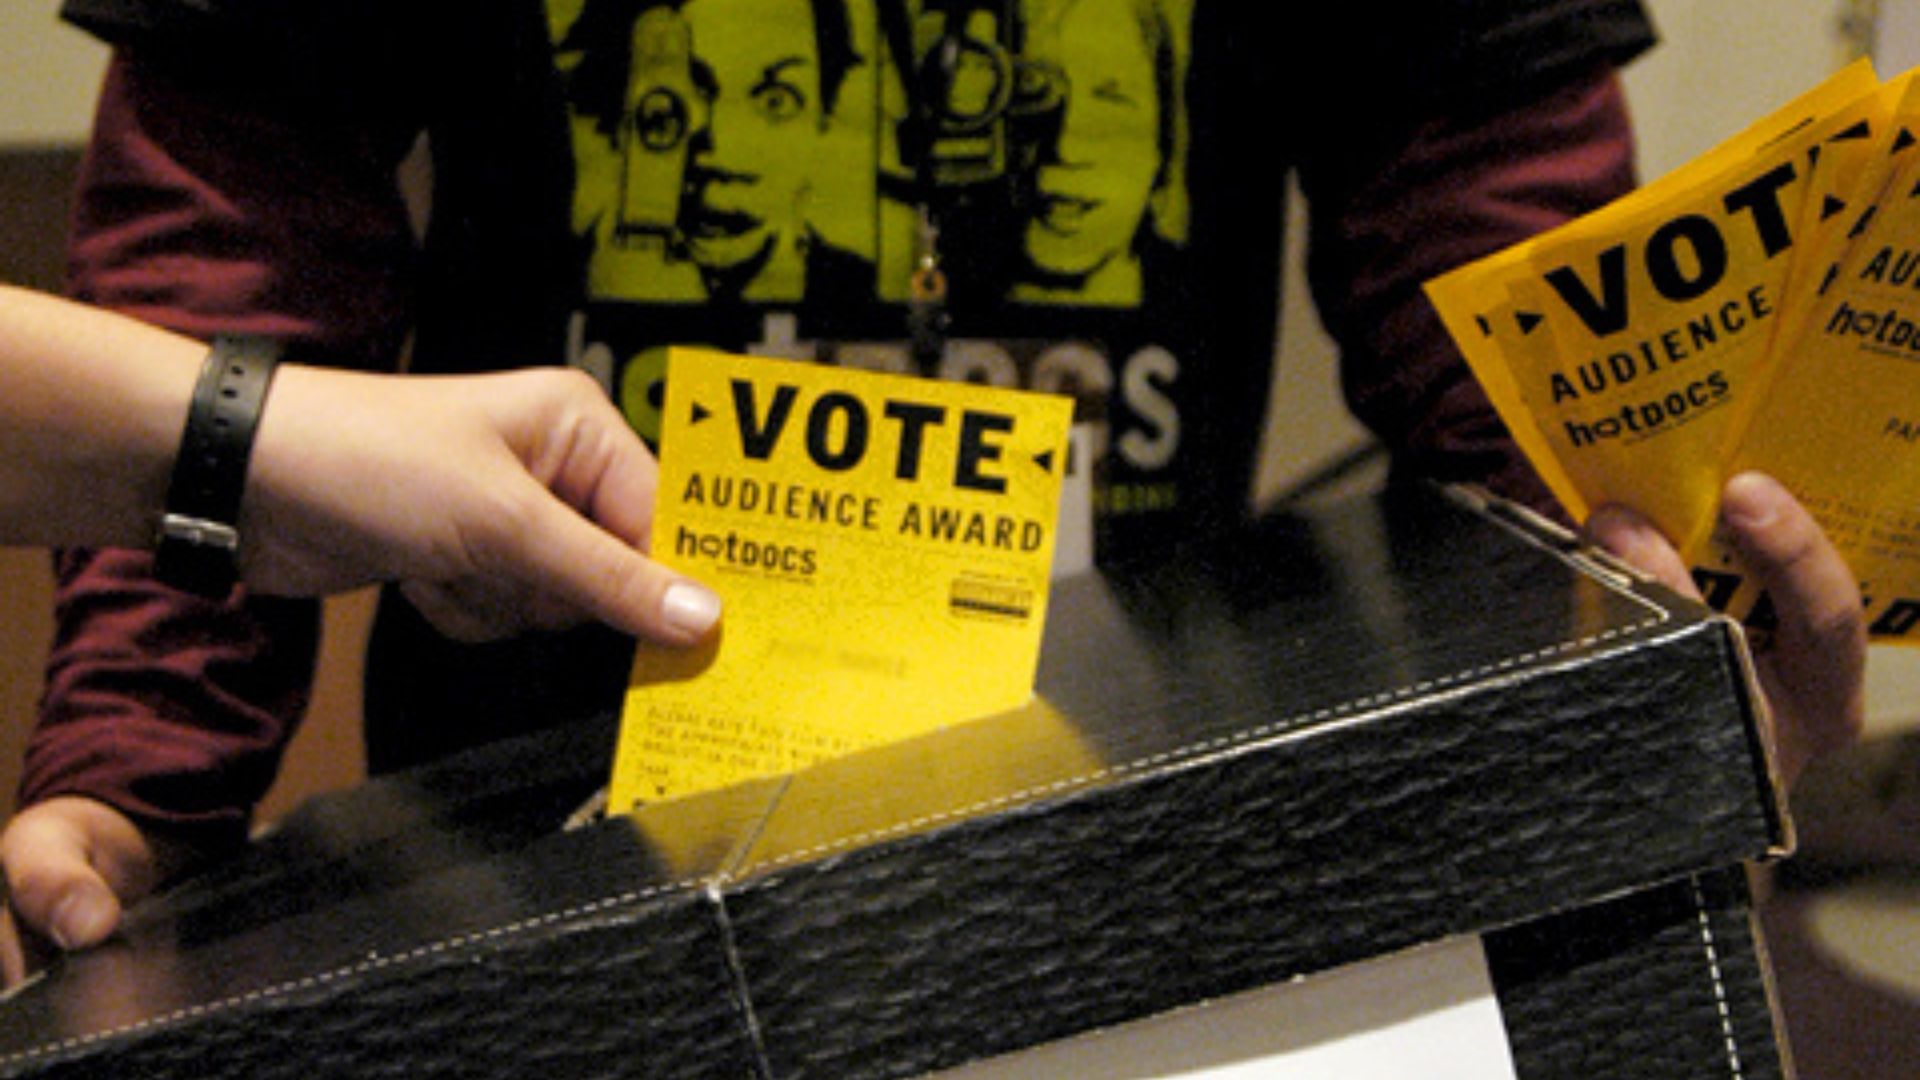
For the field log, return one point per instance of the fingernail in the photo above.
(690, 609)
(81, 918)
(1750, 500)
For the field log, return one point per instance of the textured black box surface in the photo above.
(1327, 738)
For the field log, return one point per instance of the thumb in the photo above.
(62, 861)
(1629, 535)
(602, 575)
(57, 891)
(1816, 662)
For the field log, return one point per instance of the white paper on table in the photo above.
(1426, 1014)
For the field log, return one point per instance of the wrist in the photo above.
(198, 541)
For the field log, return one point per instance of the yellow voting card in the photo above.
(883, 547)
(1752, 310)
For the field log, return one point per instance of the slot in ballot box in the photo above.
(1359, 733)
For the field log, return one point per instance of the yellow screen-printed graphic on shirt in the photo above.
(771, 151)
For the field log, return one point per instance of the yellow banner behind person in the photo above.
(883, 546)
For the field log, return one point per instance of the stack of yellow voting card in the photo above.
(883, 547)
(1758, 308)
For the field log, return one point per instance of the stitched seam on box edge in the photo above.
(1712, 952)
(1659, 616)
(736, 971)
(376, 963)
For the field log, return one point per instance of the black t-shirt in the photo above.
(1098, 183)
(613, 176)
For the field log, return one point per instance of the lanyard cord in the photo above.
(927, 316)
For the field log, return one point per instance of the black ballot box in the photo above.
(1332, 736)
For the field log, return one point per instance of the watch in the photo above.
(199, 539)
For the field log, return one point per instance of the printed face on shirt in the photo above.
(1091, 186)
(700, 134)
(756, 71)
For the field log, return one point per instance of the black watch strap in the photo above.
(199, 535)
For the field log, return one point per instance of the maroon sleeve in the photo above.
(203, 213)
(1459, 188)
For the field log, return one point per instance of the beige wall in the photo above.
(48, 72)
(1721, 64)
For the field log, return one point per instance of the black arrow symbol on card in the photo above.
(1528, 320)
(1858, 131)
(700, 412)
(1044, 459)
